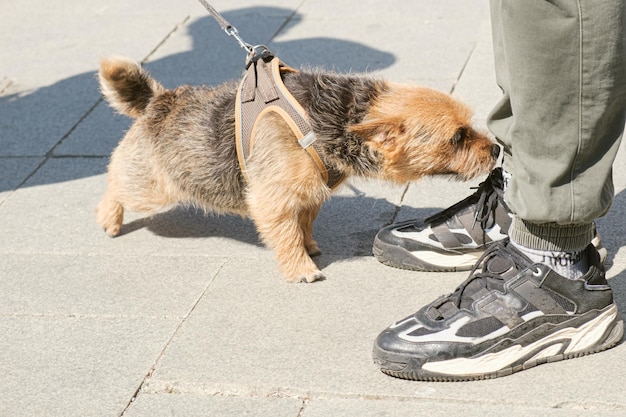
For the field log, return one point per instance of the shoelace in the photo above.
(484, 278)
(486, 199)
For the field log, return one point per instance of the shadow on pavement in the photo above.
(36, 123)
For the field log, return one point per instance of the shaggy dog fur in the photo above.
(181, 150)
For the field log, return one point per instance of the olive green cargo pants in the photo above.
(562, 68)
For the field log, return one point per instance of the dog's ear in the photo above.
(378, 130)
(459, 135)
(368, 130)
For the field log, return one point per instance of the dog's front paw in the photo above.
(308, 278)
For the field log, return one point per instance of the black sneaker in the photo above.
(451, 240)
(508, 316)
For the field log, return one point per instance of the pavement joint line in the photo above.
(167, 36)
(159, 357)
(463, 67)
(163, 387)
(133, 256)
(78, 156)
(5, 84)
(305, 402)
(589, 405)
(176, 388)
(286, 22)
(50, 152)
(80, 316)
(117, 254)
(398, 206)
(20, 156)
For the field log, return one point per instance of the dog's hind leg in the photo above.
(110, 212)
(144, 195)
(134, 182)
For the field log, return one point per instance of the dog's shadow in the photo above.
(339, 233)
(215, 58)
(345, 227)
(44, 122)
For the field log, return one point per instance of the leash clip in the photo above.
(230, 29)
(258, 52)
(234, 33)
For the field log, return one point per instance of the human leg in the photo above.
(515, 311)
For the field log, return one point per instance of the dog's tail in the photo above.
(126, 86)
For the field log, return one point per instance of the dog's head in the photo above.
(419, 131)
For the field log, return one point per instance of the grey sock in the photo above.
(570, 265)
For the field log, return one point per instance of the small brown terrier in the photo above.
(181, 150)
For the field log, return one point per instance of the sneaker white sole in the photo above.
(424, 260)
(565, 343)
(460, 261)
(602, 332)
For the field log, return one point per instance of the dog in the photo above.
(181, 150)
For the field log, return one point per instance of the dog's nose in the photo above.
(495, 151)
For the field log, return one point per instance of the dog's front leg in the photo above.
(284, 194)
(280, 230)
(278, 221)
(307, 217)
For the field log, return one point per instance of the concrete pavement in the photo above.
(186, 314)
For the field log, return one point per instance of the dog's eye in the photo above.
(459, 136)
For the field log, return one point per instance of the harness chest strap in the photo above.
(262, 90)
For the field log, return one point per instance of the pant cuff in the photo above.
(551, 236)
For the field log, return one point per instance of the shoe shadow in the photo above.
(612, 229)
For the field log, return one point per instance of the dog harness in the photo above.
(261, 91)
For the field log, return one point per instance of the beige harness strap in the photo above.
(261, 91)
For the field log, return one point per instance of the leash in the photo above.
(254, 51)
(262, 91)
(227, 27)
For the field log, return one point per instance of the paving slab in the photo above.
(53, 85)
(104, 285)
(14, 171)
(63, 219)
(60, 365)
(199, 52)
(315, 341)
(186, 313)
(97, 135)
(424, 407)
(417, 42)
(191, 405)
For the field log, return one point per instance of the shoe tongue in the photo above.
(498, 268)
(504, 264)
(498, 265)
